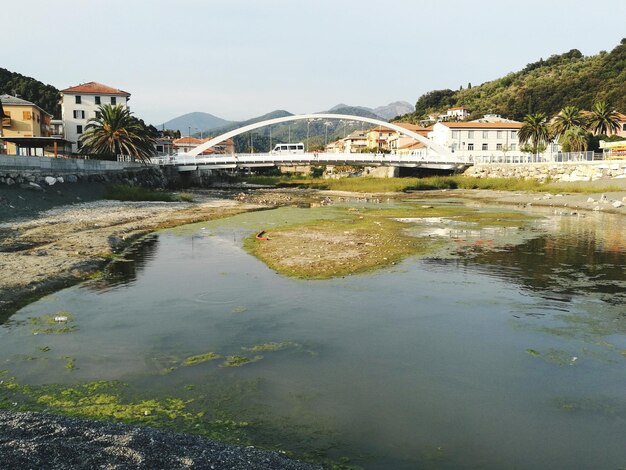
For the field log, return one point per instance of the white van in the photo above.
(289, 148)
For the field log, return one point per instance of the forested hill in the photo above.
(544, 86)
(45, 96)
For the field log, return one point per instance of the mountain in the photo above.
(397, 108)
(45, 96)
(355, 111)
(196, 122)
(546, 86)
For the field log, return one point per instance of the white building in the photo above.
(80, 103)
(484, 140)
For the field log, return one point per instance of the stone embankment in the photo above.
(37, 180)
(574, 171)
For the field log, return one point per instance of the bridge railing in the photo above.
(320, 158)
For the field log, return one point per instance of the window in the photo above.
(624, 127)
(485, 135)
(470, 134)
(485, 147)
(470, 146)
(498, 146)
(97, 100)
(453, 148)
(512, 146)
(78, 99)
(79, 114)
(7, 114)
(455, 134)
(27, 115)
(79, 129)
(159, 148)
(499, 134)
(113, 100)
(513, 134)
(98, 114)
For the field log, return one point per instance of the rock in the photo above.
(617, 204)
(50, 180)
(10, 181)
(591, 199)
(60, 179)
(71, 179)
(604, 199)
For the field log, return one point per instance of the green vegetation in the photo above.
(46, 97)
(60, 322)
(210, 356)
(268, 347)
(361, 240)
(185, 197)
(238, 361)
(115, 131)
(387, 185)
(121, 192)
(539, 88)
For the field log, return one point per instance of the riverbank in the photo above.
(38, 440)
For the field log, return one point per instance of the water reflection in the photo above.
(124, 270)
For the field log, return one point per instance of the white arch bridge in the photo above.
(432, 156)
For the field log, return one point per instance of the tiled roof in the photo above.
(412, 145)
(482, 125)
(95, 89)
(15, 101)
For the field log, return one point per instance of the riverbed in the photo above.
(506, 349)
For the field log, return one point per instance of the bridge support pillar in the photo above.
(382, 172)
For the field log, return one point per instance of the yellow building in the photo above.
(22, 119)
(377, 138)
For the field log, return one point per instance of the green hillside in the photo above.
(46, 97)
(544, 86)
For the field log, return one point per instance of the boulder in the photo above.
(50, 180)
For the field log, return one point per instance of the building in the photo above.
(488, 137)
(186, 144)
(80, 103)
(399, 141)
(25, 127)
(356, 142)
(377, 138)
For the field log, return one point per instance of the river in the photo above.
(505, 354)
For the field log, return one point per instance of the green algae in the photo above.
(70, 362)
(238, 361)
(268, 347)
(239, 309)
(192, 360)
(60, 322)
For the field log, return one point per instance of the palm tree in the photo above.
(574, 140)
(536, 131)
(568, 118)
(115, 131)
(603, 121)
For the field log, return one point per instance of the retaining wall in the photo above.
(571, 171)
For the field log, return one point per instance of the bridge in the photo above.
(432, 156)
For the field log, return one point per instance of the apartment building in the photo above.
(22, 119)
(80, 103)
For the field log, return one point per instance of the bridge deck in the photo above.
(189, 163)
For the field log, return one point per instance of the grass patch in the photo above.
(185, 197)
(121, 192)
(384, 185)
(268, 347)
(60, 322)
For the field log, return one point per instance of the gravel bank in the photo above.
(41, 441)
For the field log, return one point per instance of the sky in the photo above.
(238, 59)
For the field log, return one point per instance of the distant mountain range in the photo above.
(390, 111)
(204, 123)
(195, 122)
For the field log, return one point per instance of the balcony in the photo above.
(6, 122)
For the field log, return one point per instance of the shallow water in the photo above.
(508, 354)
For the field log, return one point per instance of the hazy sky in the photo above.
(238, 59)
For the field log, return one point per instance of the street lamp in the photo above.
(326, 124)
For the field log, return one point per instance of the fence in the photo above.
(560, 157)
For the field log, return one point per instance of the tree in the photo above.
(569, 117)
(535, 131)
(603, 121)
(574, 139)
(115, 131)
